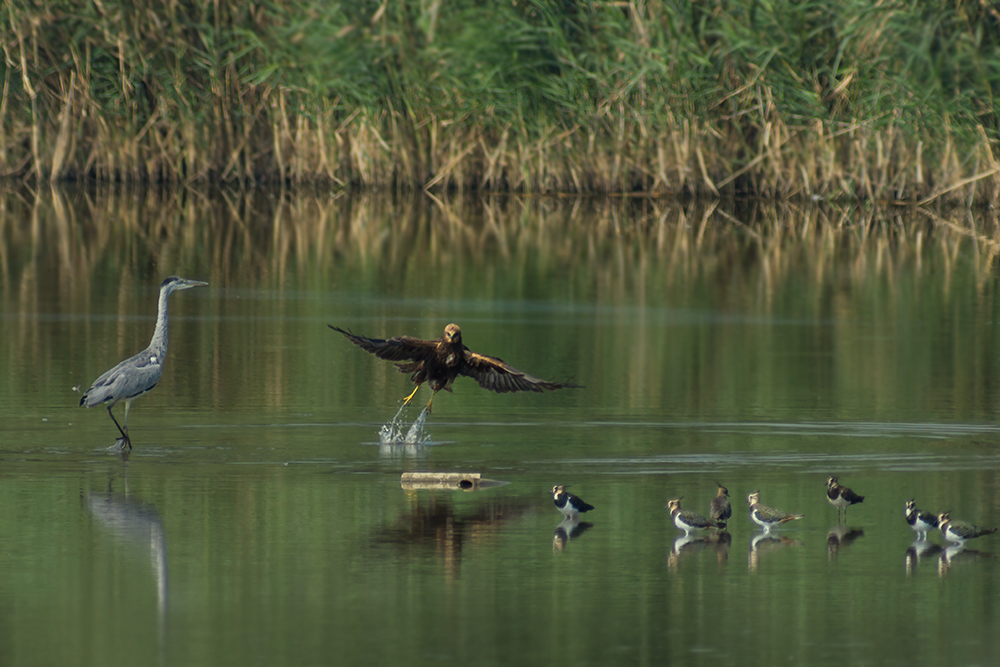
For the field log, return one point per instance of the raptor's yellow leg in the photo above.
(428, 408)
(406, 401)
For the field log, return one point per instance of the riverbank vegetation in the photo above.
(833, 99)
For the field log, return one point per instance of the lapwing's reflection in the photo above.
(721, 540)
(766, 542)
(136, 525)
(918, 551)
(839, 537)
(568, 529)
(956, 554)
(686, 546)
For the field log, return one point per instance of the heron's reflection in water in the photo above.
(568, 529)
(137, 527)
(686, 546)
(919, 551)
(767, 542)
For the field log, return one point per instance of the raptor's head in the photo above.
(453, 334)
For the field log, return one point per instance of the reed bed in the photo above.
(826, 99)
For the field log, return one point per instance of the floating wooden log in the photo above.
(453, 481)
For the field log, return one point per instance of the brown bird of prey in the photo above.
(438, 362)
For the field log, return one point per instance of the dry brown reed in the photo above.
(532, 97)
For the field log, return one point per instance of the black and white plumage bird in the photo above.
(841, 497)
(688, 521)
(960, 531)
(920, 520)
(765, 516)
(138, 374)
(571, 506)
(720, 509)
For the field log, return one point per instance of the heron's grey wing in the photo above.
(132, 377)
(499, 376)
(397, 348)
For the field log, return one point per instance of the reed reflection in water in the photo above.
(637, 266)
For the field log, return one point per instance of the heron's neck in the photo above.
(158, 346)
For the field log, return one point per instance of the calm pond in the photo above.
(260, 521)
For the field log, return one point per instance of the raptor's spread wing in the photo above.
(397, 348)
(497, 375)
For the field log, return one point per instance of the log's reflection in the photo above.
(435, 523)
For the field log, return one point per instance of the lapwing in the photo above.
(841, 497)
(720, 509)
(688, 521)
(960, 531)
(571, 506)
(921, 521)
(767, 516)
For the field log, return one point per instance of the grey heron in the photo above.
(138, 374)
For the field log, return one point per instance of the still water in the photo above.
(259, 521)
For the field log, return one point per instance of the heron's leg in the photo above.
(124, 431)
(406, 401)
(112, 415)
(128, 440)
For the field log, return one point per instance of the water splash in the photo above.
(397, 432)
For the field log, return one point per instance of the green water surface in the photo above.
(260, 521)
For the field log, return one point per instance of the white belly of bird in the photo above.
(569, 511)
(679, 522)
(759, 521)
(952, 537)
